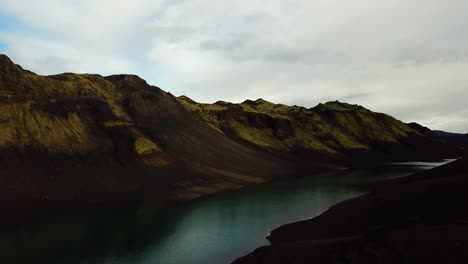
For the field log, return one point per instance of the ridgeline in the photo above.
(72, 139)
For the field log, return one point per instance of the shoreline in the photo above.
(378, 224)
(35, 209)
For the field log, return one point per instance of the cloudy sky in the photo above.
(405, 58)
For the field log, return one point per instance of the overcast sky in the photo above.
(405, 58)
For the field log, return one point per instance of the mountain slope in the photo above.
(84, 138)
(77, 137)
(330, 129)
(454, 138)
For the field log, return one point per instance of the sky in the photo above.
(408, 59)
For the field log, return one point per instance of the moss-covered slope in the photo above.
(83, 137)
(74, 138)
(332, 128)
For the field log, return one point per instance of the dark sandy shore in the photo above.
(422, 218)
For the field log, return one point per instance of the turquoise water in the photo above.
(212, 230)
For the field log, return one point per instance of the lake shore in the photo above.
(421, 218)
(190, 232)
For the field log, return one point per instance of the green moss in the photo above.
(206, 112)
(328, 127)
(24, 126)
(309, 141)
(117, 123)
(151, 154)
(260, 137)
(265, 107)
(193, 107)
(338, 106)
(145, 146)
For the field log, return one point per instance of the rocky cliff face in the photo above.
(75, 138)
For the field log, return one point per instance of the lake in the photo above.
(212, 230)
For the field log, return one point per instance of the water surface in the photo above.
(212, 230)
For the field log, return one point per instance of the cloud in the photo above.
(407, 59)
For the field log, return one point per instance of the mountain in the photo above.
(454, 138)
(73, 138)
(84, 138)
(420, 218)
(332, 130)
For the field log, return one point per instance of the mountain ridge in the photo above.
(87, 138)
(328, 128)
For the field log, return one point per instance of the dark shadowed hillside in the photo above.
(83, 137)
(78, 138)
(454, 138)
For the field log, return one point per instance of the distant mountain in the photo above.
(79, 138)
(454, 138)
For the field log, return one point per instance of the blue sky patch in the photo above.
(3, 46)
(8, 23)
